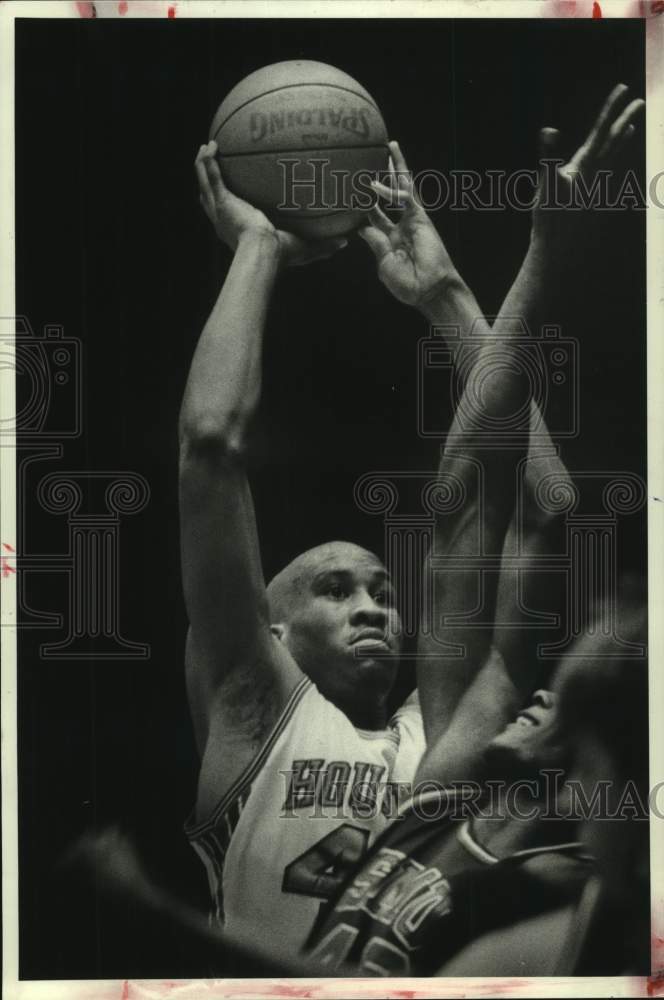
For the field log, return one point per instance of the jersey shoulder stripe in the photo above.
(239, 791)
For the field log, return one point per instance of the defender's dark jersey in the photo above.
(428, 888)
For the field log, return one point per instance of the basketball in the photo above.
(301, 141)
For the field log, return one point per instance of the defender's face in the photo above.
(533, 739)
(346, 632)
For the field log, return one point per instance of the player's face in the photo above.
(533, 740)
(345, 631)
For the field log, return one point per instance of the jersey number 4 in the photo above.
(322, 869)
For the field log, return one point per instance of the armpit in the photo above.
(248, 701)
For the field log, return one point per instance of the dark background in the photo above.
(112, 245)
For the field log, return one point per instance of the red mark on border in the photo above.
(5, 568)
(655, 985)
(171, 11)
(597, 10)
(123, 7)
(86, 9)
(657, 7)
(125, 990)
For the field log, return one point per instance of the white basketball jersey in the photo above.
(314, 798)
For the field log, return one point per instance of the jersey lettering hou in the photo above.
(317, 794)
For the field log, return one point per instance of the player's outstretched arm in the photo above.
(412, 260)
(560, 235)
(477, 480)
(236, 670)
(415, 266)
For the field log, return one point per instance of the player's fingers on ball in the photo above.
(217, 186)
(612, 107)
(203, 180)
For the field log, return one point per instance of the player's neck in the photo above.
(372, 717)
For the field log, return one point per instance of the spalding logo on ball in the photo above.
(301, 141)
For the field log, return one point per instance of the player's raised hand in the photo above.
(412, 260)
(564, 188)
(232, 218)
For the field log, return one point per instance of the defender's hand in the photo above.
(233, 218)
(412, 260)
(556, 228)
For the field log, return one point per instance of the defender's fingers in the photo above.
(378, 242)
(620, 142)
(620, 130)
(548, 143)
(613, 105)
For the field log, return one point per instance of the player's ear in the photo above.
(279, 631)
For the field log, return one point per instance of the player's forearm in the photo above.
(529, 300)
(481, 466)
(224, 384)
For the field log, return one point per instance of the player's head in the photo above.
(533, 742)
(334, 608)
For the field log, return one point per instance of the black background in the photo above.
(112, 245)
